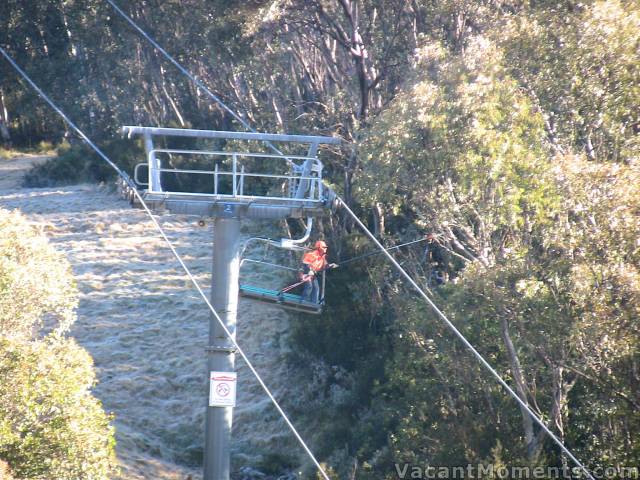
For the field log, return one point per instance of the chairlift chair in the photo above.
(287, 301)
(294, 189)
(284, 297)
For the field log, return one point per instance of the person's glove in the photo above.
(333, 265)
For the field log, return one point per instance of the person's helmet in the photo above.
(320, 244)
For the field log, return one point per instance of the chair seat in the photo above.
(287, 301)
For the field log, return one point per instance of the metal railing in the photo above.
(292, 175)
(269, 264)
(300, 178)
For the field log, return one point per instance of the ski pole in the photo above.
(291, 287)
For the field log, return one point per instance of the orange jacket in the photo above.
(316, 260)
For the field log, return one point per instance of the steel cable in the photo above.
(438, 312)
(178, 258)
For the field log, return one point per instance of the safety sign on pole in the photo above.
(222, 391)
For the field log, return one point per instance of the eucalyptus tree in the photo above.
(581, 66)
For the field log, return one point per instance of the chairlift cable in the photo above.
(368, 233)
(377, 252)
(464, 340)
(184, 71)
(126, 178)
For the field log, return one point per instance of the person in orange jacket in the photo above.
(314, 262)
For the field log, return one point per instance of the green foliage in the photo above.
(584, 70)
(566, 298)
(36, 285)
(596, 243)
(50, 425)
(79, 163)
(466, 151)
(547, 280)
(275, 464)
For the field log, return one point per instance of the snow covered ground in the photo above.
(146, 327)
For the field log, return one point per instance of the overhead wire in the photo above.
(466, 342)
(188, 74)
(377, 252)
(175, 253)
(180, 67)
(399, 267)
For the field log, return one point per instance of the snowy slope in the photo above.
(146, 327)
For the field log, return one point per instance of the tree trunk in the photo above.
(533, 444)
(4, 121)
(359, 54)
(167, 95)
(4, 133)
(378, 219)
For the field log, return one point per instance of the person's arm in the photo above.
(307, 273)
(329, 266)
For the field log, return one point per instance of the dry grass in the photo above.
(146, 330)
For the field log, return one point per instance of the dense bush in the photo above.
(79, 163)
(50, 424)
(51, 427)
(36, 285)
(582, 68)
(465, 148)
(42, 148)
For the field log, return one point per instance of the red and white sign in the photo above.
(222, 392)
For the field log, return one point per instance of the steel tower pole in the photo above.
(221, 356)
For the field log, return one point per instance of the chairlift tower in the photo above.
(235, 188)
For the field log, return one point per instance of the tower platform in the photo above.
(239, 182)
